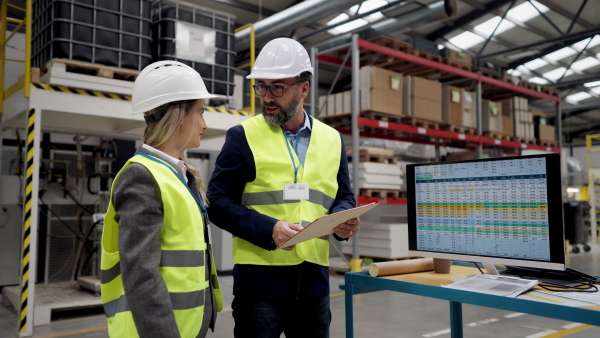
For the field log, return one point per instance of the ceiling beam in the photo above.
(576, 82)
(567, 39)
(467, 19)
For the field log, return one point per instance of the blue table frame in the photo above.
(362, 282)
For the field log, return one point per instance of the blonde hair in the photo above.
(159, 132)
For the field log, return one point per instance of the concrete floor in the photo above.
(381, 314)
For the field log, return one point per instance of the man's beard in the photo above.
(285, 113)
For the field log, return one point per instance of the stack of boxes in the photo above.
(453, 106)
(469, 109)
(381, 240)
(376, 175)
(422, 98)
(380, 90)
(516, 114)
(542, 130)
(491, 116)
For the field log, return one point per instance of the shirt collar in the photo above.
(174, 162)
(304, 126)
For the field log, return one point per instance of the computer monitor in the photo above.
(505, 211)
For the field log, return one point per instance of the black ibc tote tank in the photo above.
(114, 33)
(217, 73)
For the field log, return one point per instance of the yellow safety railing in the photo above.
(251, 65)
(4, 21)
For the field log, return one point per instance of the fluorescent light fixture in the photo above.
(538, 80)
(486, 28)
(347, 26)
(557, 73)
(595, 90)
(586, 63)
(466, 40)
(592, 84)
(561, 54)
(581, 44)
(525, 11)
(572, 190)
(522, 54)
(535, 64)
(575, 98)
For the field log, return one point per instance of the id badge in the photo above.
(295, 191)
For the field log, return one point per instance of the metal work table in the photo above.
(427, 284)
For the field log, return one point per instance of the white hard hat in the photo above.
(281, 58)
(166, 81)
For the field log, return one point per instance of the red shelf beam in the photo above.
(388, 200)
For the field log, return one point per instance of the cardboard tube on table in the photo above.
(398, 267)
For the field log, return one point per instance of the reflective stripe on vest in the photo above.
(265, 194)
(182, 264)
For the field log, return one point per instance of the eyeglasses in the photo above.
(276, 90)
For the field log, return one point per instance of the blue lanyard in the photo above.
(296, 167)
(178, 176)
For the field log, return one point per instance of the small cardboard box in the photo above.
(460, 57)
(469, 109)
(491, 112)
(380, 90)
(452, 105)
(547, 133)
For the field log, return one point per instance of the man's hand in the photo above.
(348, 229)
(284, 231)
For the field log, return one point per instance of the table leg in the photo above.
(456, 326)
(349, 308)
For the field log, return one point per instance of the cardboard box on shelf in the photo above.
(546, 133)
(339, 103)
(322, 109)
(380, 90)
(491, 112)
(452, 105)
(507, 125)
(469, 109)
(347, 101)
(331, 105)
(422, 98)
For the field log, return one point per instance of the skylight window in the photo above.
(466, 40)
(525, 11)
(584, 64)
(575, 98)
(557, 73)
(488, 27)
(581, 44)
(367, 6)
(538, 80)
(561, 54)
(535, 64)
(514, 72)
(523, 70)
(592, 84)
(595, 90)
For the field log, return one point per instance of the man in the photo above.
(276, 173)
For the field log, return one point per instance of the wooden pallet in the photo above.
(497, 135)
(489, 73)
(417, 122)
(457, 129)
(544, 143)
(375, 115)
(456, 64)
(345, 120)
(385, 41)
(93, 69)
(427, 55)
(382, 193)
(523, 140)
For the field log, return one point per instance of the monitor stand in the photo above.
(490, 268)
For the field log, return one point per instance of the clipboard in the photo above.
(324, 225)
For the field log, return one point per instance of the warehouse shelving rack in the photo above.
(415, 134)
(365, 127)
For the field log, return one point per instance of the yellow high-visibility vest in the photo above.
(274, 168)
(183, 257)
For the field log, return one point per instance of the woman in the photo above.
(158, 276)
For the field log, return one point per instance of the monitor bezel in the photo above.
(555, 213)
